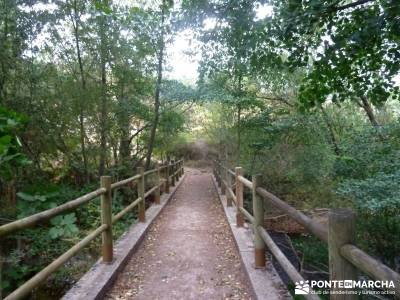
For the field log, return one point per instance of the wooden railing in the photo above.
(172, 172)
(344, 256)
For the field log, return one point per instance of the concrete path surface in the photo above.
(189, 252)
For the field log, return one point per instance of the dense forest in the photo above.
(304, 92)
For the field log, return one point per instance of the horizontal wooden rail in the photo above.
(126, 210)
(231, 193)
(283, 261)
(124, 182)
(343, 255)
(314, 227)
(28, 286)
(247, 183)
(105, 229)
(228, 170)
(176, 172)
(227, 185)
(48, 214)
(231, 172)
(149, 172)
(247, 215)
(152, 190)
(370, 265)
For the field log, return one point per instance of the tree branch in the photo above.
(279, 99)
(138, 131)
(354, 4)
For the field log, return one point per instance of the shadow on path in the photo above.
(189, 252)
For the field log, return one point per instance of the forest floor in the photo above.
(188, 253)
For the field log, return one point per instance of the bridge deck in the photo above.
(189, 252)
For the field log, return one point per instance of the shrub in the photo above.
(377, 202)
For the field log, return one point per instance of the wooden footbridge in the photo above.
(191, 253)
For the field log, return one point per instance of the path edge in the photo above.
(265, 284)
(95, 283)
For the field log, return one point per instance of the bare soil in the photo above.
(189, 252)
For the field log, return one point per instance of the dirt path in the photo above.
(189, 252)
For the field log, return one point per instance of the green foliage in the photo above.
(15, 275)
(349, 49)
(367, 154)
(11, 156)
(31, 204)
(61, 232)
(313, 251)
(63, 226)
(378, 206)
(336, 57)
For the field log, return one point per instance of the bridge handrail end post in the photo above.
(258, 213)
(141, 187)
(341, 231)
(106, 219)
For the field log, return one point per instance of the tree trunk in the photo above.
(239, 116)
(124, 149)
(75, 23)
(331, 131)
(10, 197)
(369, 111)
(124, 127)
(157, 91)
(239, 137)
(5, 66)
(103, 109)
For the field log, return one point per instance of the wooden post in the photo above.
(218, 169)
(223, 180)
(341, 231)
(258, 212)
(172, 173)
(177, 171)
(239, 197)
(157, 194)
(183, 165)
(228, 179)
(106, 218)
(142, 204)
(167, 178)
